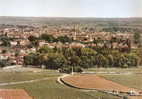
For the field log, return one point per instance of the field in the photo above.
(131, 77)
(94, 82)
(24, 76)
(48, 89)
(131, 80)
(109, 79)
(115, 70)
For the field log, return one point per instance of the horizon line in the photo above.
(66, 17)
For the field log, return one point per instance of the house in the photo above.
(13, 43)
(76, 45)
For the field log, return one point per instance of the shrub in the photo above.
(125, 97)
(4, 63)
(125, 66)
(31, 59)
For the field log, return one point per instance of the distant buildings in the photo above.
(19, 40)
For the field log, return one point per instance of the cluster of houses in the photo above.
(18, 49)
(19, 46)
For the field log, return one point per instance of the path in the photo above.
(23, 82)
(61, 77)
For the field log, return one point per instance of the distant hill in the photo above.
(98, 24)
(61, 20)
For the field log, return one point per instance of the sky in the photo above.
(71, 8)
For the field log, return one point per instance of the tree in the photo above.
(47, 37)
(31, 59)
(87, 57)
(45, 49)
(55, 61)
(87, 62)
(68, 53)
(5, 42)
(75, 61)
(34, 41)
(42, 58)
(101, 60)
(4, 63)
(137, 38)
(139, 54)
(122, 61)
(88, 52)
(132, 59)
(32, 38)
(125, 97)
(110, 60)
(64, 39)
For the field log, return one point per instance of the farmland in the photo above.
(114, 70)
(107, 82)
(131, 77)
(94, 82)
(48, 89)
(132, 80)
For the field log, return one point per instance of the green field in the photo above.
(116, 70)
(130, 80)
(131, 77)
(24, 76)
(48, 89)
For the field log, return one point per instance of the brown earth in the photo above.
(91, 81)
(14, 94)
(135, 97)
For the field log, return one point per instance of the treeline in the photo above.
(50, 38)
(82, 57)
(121, 29)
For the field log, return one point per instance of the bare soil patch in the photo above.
(92, 81)
(14, 94)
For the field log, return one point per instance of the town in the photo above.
(15, 43)
(43, 57)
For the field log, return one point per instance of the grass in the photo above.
(117, 70)
(132, 80)
(22, 76)
(49, 89)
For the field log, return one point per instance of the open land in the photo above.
(47, 89)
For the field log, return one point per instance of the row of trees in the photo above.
(83, 57)
(50, 38)
(114, 29)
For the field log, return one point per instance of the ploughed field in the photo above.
(91, 81)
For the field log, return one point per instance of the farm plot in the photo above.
(91, 81)
(47, 89)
